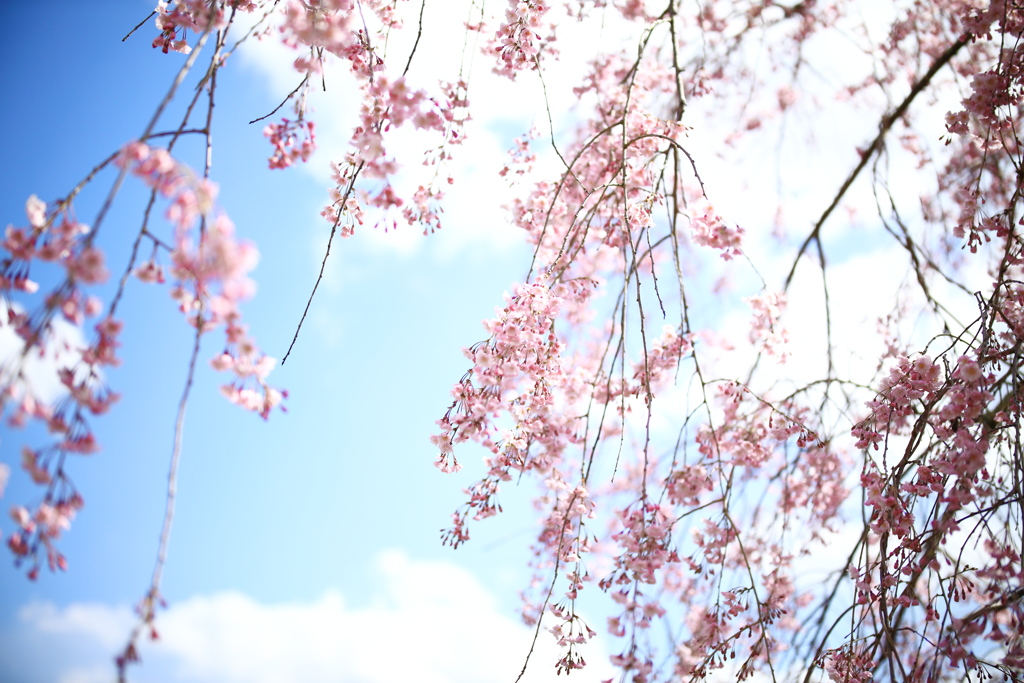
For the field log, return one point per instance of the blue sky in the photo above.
(331, 509)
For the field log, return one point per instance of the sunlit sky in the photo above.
(306, 547)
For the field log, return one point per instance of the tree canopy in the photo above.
(762, 368)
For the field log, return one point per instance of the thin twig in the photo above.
(883, 129)
(138, 26)
(323, 264)
(284, 101)
(419, 33)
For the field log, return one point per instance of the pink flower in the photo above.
(968, 370)
(88, 266)
(35, 209)
(709, 230)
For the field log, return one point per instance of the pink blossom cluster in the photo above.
(569, 632)
(517, 42)
(219, 259)
(908, 382)
(817, 486)
(337, 27)
(891, 512)
(50, 238)
(170, 21)
(766, 332)
(566, 539)
(344, 212)
(846, 665)
(708, 229)
(645, 539)
(637, 610)
(752, 436)
(52, 235)
(990, 94)
(322, 25)
(517, 374)
(522, 353)
(42, 528)
(661, 359)
(950, 479)
(191, 197)
(284, 137)
(706, 626)
(392, 103)
(962, 401)
(738, 620)
(211, 274)
(750, 446)
(651, 373)
(957, 420)
(980, 19)
(191, 15)
(636, 665)
(714, 541)
(687, 483)
(424, 208)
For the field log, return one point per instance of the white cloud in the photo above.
(39, 371)
(105, 625)
(430, 622)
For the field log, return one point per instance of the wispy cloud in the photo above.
(425, 622)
